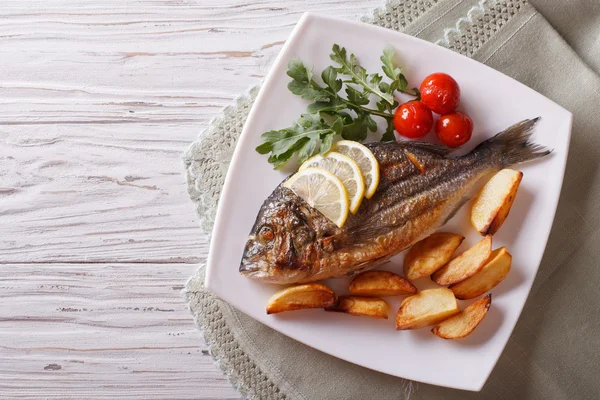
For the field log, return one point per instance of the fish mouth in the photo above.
(255, 270)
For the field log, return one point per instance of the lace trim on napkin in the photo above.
(207, 159)
(396, 15)
(480, 24)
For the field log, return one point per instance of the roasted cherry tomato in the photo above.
(413, 119)
(440, 93)
(454, 129)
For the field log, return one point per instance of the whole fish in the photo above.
(420, 189)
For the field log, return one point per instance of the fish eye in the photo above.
(266, 233)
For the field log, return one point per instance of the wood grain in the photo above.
(98, 100)
(98, 194)
(107, 330)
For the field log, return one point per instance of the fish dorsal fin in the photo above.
(415, 161)
(431, 147)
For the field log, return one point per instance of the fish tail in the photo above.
(512, 146)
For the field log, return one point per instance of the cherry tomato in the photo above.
(454, 129)
(413, 119)
(440, 93)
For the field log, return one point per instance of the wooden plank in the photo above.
(96, 194)
(69, 61)
(102, 331)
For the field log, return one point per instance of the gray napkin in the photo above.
(555, 347)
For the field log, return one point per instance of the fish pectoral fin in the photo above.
(362, 233)
(457, 207)
(367, 265)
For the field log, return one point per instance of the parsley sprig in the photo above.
(331, 114)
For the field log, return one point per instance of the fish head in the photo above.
(282, 246)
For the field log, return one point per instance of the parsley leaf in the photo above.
(302, 138)
(356, 131)
(329, 76)
(326, 106)
(357, 97)
(357, 74)
(399, 81)
(334, 112)
(388, 67)
(388, 135)
(302, 83)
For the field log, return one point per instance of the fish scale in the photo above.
(420, 189)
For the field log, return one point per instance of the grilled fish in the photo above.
(420, 189)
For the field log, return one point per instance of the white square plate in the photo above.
(494, 102)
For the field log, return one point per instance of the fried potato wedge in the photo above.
(430, 254)
(492, 205)
(425, 308)
(465, 265)
(311, 295)
(493, 272)
(465, 322)
(362, 306)
(380, 283)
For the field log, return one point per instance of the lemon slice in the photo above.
(322, 190)
(365, 160)
(346, 169)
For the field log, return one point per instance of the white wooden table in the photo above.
(98, 99)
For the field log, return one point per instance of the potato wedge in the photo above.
(493, 272)
(362, 306)
(430, 254)
(465, 265)
(465, 322)
(427, 307)
(311, 295)
(492, 205)
(380, 283)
